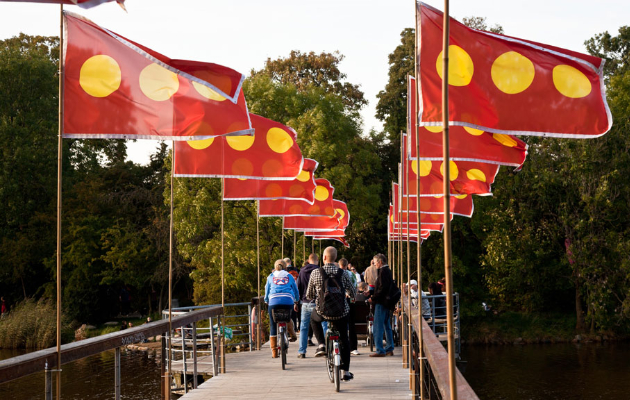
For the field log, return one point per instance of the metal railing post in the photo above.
(183, 336)
(163, 382)
(117, 374)
(222, 337)
(48, 384)
(249, 324)
(194, 355)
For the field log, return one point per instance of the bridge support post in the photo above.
(194, 355)
(117, 374)
(48, 384)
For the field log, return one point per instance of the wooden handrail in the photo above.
(17, 367)
(437, 357)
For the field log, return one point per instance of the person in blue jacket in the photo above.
(281, 292)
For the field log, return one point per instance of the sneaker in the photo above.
(301, 355)
(389, 353)
(377, 355)
(347, 376)
(321, 351)
(310, 343)
(355, 352)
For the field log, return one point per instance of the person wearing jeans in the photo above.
(307, 310)
(382, 312)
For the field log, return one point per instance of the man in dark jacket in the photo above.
(382, 313)
(308, 305)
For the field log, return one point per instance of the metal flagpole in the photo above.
(167, 378)
(414, 124)
(294, 255)
(304, 246)
(282, 239)
(401, 172)
(409, 314)
(222, 333)
(448, 267)
(59, 170)
(258, 272)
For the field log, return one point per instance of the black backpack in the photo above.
(331, 300)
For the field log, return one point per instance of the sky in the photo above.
(243, 34)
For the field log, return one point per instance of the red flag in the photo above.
(466, 177)
(80, 3)
(461, 204)
(301, 188)
(338, 239)
(335, 233)
(311, 224)
(465, 144)
(508, 85)
(322, 207)
(413, 218)
(115, 88)
(271, 154)
(342, 211)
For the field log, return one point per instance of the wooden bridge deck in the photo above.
(256, 375)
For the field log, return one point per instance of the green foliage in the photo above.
(32, 325)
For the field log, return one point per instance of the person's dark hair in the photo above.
(343, 263)
(435, 289)
(381, 258)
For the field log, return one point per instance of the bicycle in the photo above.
(282, 317)
(333, 356)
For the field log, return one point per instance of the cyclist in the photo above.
(336, 314)
(281, 292)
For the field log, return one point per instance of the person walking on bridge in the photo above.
(382, 312)
(308, 305)
(335, 314)
(281, 292)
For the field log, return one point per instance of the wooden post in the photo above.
(163, 381)
(448, 266)
(170, 285)
(303, 248)
(420, 354)
(259, 305)
(213, 350)
(59, 177)
(402, 183)
(117, 374)
(194, 355)
(221, 332)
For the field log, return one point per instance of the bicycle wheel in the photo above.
(283, 350)
(371, 341)
(336, 373)
(330, 362)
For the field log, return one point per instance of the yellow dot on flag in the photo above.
(272, 168)
(434, 129)
(512, 72)
(461, 196)
(425, 167)
(304, 176)
(158, 83)
(242, 179)
(240, 143)
(391, 218)
(200, 144)
(460, 66)
(295, 209)
(505, 140)
(571, 82)
(476, 175)
(279, 140)
(341, 213)
(329, 211)
(242, 167)
(321, 193)
(296, 191)
(206, 92)
(435, 217)
(273, 190)
(454, 171)
(473, 131)
(100, 76)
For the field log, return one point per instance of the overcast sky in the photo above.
(242, 34)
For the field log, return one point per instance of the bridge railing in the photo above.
(434, 359)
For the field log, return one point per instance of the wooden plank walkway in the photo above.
(256, 375)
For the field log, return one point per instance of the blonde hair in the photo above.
(279, 265)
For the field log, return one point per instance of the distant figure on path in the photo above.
(281, 292)
(308, 305)
(3, 307)
(382, 313)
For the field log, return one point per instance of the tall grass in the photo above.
(32, 325)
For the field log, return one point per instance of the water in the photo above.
(92, 378)
(550, 371)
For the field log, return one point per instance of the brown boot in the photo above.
(273, 343)
(292, 335)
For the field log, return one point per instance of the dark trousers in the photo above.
(352, 331)
(341, 325)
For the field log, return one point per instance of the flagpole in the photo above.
(167, 385)
(405, 337)
(414, 123)
(294, 242)
(448, 267)
(409, 332)
(59, 177)
(282, 239)
(222, 279)
(304, 246)
(258, 272)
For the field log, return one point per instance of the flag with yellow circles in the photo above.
(323, 205)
